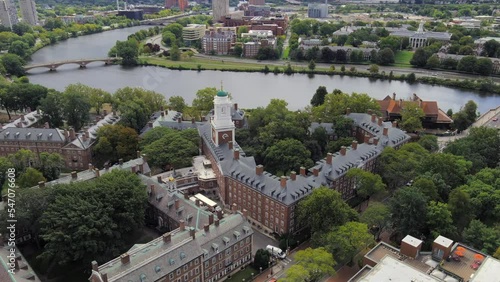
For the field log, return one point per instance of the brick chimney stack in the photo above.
(91, 167)
(182, 225)
(380, 120)
(206, 227)
(354, 145)
(158, 178)
(329, 158)
(236, 154)
(293, 175)
(177, 204)
(394, 124)
(374, 118)
(162, 113)
(197, 202)
(192, 233)
(235, 106)
(315, 171)
(167, 238)
(211, 219)
(244, 213)
(216, 222)
(74, 175)
(153, 188)
(72, 135)
(234, 208)
(95, 266)
(259, 169)
(394, 96)
(150, 124)
(104, 277)
(386, 131)
(186, 196)
(219, 213)
(125, 258)
(41, 184)
(283, 182)
(97, 172)
(375, 141)
(230, 145)
(366, 139)
(343, 150)
(400, 103)
(302, 171)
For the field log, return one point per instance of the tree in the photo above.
(342, 68)
(50, 165)
(411, 78)
(467, 64)
(311, 66)
(19, 48)
(76, 107)
(347, 240)
(22, 159)
(89, 220)
(128, 51)
(238, 51)
(287, 155)
(420, 58)
(427, 187)
(310, 265)
(411, 116)
(365, 182)
(52, 107)
(150, 100)
(168, 38)
(482, 237)
(460, 206)
(449, 63)
(439, 220)
(116, 142)
(13, 64)
(433, 62)
(491, 48)
(407, 208)
(261, 259)
(377, 216)
(429, 142)
(96, 97)
(385, 57)
(134, 114)
(316, 209)
(175, 53)
(5, 164)
(171, 151)
(319, 96)
(327, 55)
(453, 169)
(204, 100)
(177, 103)
(175, 29)
(30, 177)
(484, 66)
(373, 69)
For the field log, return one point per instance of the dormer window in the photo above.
(226, 240)
(246, 229)
(215, 247)
(236, 235)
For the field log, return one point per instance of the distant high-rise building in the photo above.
(8, 13)
(181, 4)
(220, 8)
(28, 10)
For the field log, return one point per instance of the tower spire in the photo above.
(221, 86)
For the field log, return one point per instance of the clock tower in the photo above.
(222, 123)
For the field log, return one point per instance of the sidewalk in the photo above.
(266, 275)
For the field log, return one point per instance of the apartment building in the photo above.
(220, 8)
(219, 41)
(28, 10)
(259, 39)
(185, 254)
(193, 32)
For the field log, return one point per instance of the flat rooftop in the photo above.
(202, 167)
(488, 271)
(391, 269)
(422, 262)
(464, 267)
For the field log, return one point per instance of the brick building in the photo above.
(219, 41)
(208, 254)
(181, 4)
(280, 20)
(271, 200)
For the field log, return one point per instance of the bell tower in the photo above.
(222, 123)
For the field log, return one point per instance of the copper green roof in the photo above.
(221, 94)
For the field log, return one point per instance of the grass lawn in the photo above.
(244, 274)
(402, 59)
(285, 54)
(193, 62)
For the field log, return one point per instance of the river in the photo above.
(249, 90)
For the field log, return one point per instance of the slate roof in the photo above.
(24, 274)
(395, 135)
(154, 260)
(425, 34)
(29, 120)
(33, 135)
(326, 126)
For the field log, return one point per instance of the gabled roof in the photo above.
(29, 120)
(33, 135)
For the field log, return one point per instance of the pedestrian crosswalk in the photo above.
(286, 261)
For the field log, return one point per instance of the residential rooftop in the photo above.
(24, 273)
(26, 120)
(423, 262)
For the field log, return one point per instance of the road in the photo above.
(260, 241)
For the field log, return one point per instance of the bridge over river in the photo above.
(82, 63)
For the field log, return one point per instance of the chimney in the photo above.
(137, 168)
(19, 125)
(141, 168)
(315, 172)
(235, 106)
(46, 125)
(230, 145)
(206, 227)
(95, 266)
(219, 214)
(104, 277)
(162, 114)
(415, 97)
(125, 258)
(87, 134)
(91, 167)
(293, 175)
(177, 204)
(380, 120)
(211, 219)
(182, 225)
(72, 134)
(22, 118)
(191, 233)
(342, 150)
(366, 139)
(97, 172)
(74, 175)
(394, 96)
(370, 112)
(162, 108)
(420, 103)
(105, 112)
(159, 179)
(302, 171)
(134, 169)
(106, 166)
(179, 120)
(234, 208)
(150, 124)
(386, 131)
(283, 182)
(329, 158)
(152, 187)
(84, 138)
(41, 184)
(167, 238)
(192, 120)
(375, 141)
(186, 196)
(197, 202)
(394, 124)
(97, 118)
(216, 222)
(354, 145)
(374, 118)
(120, 161)
(348, 111)
(236, 154)
(16, 264)
(259, 169)
(138, 154)
(245, 213)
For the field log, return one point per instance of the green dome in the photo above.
(221, 94)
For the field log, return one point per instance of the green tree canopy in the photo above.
(407, 208)
(172, 150)
(411, 116)
(377, 217)
(319, 96)
(29, 178)
(76, 106)
(310, 265)
(116, 142)
(287, 155)
(204, 100)
(347, 240)
(366, 183)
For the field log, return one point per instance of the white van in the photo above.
(275, 251)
